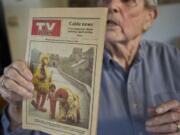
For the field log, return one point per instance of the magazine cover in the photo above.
(64, 52)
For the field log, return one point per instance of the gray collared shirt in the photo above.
(154, 78)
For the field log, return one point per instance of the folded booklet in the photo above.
(64, 52)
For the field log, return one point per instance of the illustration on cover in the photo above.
(63, 80)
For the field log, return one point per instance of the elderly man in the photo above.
(140, 79)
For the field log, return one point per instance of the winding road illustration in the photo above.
(61, 79)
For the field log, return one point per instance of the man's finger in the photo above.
(166, 128)
(151, 111)
(165, 107)
(15, 76)
(164, 119)
(13, 86)
(21, 68)
(10, 96)
(178, 109)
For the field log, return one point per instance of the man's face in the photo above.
(126, 20)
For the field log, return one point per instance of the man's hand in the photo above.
(15, 85)
(165, 119)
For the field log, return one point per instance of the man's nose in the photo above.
(113, 7)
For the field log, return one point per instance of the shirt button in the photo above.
(135, 106)
(140, 133)
(130, 83)
(130, 86)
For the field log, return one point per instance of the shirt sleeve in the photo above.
(18, 131)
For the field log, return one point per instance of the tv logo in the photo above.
(46, 27)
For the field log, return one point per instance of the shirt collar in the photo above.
(140, 54)
(107, 57)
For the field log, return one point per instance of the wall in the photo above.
(16, 15)
(167, 26)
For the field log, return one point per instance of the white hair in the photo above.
(151, 3)
(148, 3)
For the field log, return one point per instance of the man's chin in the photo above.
(115, 40)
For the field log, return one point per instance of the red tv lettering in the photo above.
(46, 27)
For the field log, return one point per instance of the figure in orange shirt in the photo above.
(69, 105)
(52, 101)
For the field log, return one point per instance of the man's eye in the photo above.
(106, 1)
(125, 1)
(128, 1)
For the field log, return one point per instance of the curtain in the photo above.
(5, 58)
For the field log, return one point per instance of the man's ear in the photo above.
(151, 15)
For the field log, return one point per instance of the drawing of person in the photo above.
(52, 101)
(69, 105)
(42, 81)
(62, 96)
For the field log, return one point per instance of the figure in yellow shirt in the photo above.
(42, 81)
